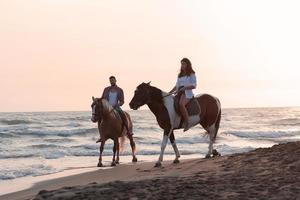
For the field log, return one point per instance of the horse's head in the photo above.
(96, 109)
(100, 109)
(141, 96)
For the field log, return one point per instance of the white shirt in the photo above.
(187, 81)
(112, 98)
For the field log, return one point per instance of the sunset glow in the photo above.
(55, 54)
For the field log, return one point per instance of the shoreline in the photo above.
(272, 173)
(26, 182)
(107, 174)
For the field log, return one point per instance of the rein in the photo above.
(169, 94)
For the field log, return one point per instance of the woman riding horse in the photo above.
(161, 104)
(186, 82)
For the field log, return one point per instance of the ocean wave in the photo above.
(15, 121)
(188, 140)
(36, 151)
(54, 154)
(89, 153)
(146, 141)
(58, 140)
(32, 170)
(11, 154)
(262, 134)
(63, 125)
(73, 124)
(78, 132)
(45, 146)
(287, 122)
(6, 135)
(89, 146)
(146, 127)
(226, 149)
(62, 133)
(192, 140)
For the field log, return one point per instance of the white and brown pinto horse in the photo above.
(110, 126)
(162, 106)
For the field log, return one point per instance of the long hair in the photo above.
(189, 69)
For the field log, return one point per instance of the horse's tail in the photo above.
(122, 139)
(217, 124)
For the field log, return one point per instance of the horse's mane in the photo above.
(156, 94)
(106, 105)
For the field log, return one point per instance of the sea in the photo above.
(39, 143)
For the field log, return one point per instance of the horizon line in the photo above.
(143, 109)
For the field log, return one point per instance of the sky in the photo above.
(56, 54)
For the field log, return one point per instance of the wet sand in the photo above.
(265, 173)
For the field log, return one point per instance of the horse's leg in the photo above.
(163, 147)
(211, 132)
(130, 137)
(118, 152)
(217, 126)
(100, 156)
(132, 144)
(99, 140)
(173, 142)
(116, 145)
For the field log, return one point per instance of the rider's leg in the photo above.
(183, 101)
(124, 120)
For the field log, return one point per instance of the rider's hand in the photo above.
(175, 92)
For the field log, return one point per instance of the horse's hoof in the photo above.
(134, 159)
(158, 164)
(208, 156)
(117, 162)
(176, 161)
(215, 153)
(100, 165)
(113, 164)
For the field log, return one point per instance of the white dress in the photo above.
(187, 81)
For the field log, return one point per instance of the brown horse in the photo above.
(110, 126)
(162, 105)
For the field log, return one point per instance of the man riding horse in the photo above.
(115, 96)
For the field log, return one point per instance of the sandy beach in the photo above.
(265, 173)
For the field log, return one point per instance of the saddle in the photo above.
(192, 106)
(122, 116)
